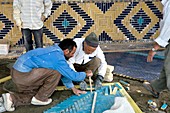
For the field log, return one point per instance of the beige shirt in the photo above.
(28, 13)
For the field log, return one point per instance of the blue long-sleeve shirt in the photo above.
(52, 58)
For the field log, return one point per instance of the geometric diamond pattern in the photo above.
(140, 20)
(104, 37)
(20, 41)
(50, 35)
(89, 21)
(104, 6)
(121, 26)
(114, 20)
(159, 15)
(55, 7)
(135, 20)
(65, 23)
(151, 31)
(154, 9)
(7, 26)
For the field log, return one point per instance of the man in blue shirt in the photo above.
(37, 73)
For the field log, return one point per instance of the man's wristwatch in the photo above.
(154, 50)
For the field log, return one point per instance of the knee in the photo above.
(97, 61)
(56, 75)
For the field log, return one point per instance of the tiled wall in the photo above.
(111, 21)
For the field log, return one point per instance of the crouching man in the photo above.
(89, 56)
(37, 73)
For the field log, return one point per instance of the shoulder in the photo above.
(79, 40)
(99, 50)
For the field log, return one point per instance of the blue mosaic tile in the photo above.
(104, 6)
(83, 103)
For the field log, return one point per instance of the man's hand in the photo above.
(43, 18)
(19, 28)
(19, 24)
(89, 73)
(78, 92)
(152, 52)
(83, 85)
(150, 56)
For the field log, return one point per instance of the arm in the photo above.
(17, 12)
(47, 8)
(68, 83)
(152, 52)
(68, 75)
(89, 73)
(67, 72)
(78, 92)
(164, 36)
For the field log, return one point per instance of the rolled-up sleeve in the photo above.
(164, 36)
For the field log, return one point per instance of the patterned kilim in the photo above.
(111, 21)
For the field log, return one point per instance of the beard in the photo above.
(67, 58)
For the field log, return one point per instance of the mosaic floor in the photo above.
(83, 103)
(134, 64)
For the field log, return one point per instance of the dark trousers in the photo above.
(40, 83)
(91, 65)
(163, 82)
(27, 35)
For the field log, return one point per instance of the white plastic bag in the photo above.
(121, 105)
(2, 108)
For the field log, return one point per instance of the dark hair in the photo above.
(67, 44)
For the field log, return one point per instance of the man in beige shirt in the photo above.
(29, 16)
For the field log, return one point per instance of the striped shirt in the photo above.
(28, 13)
